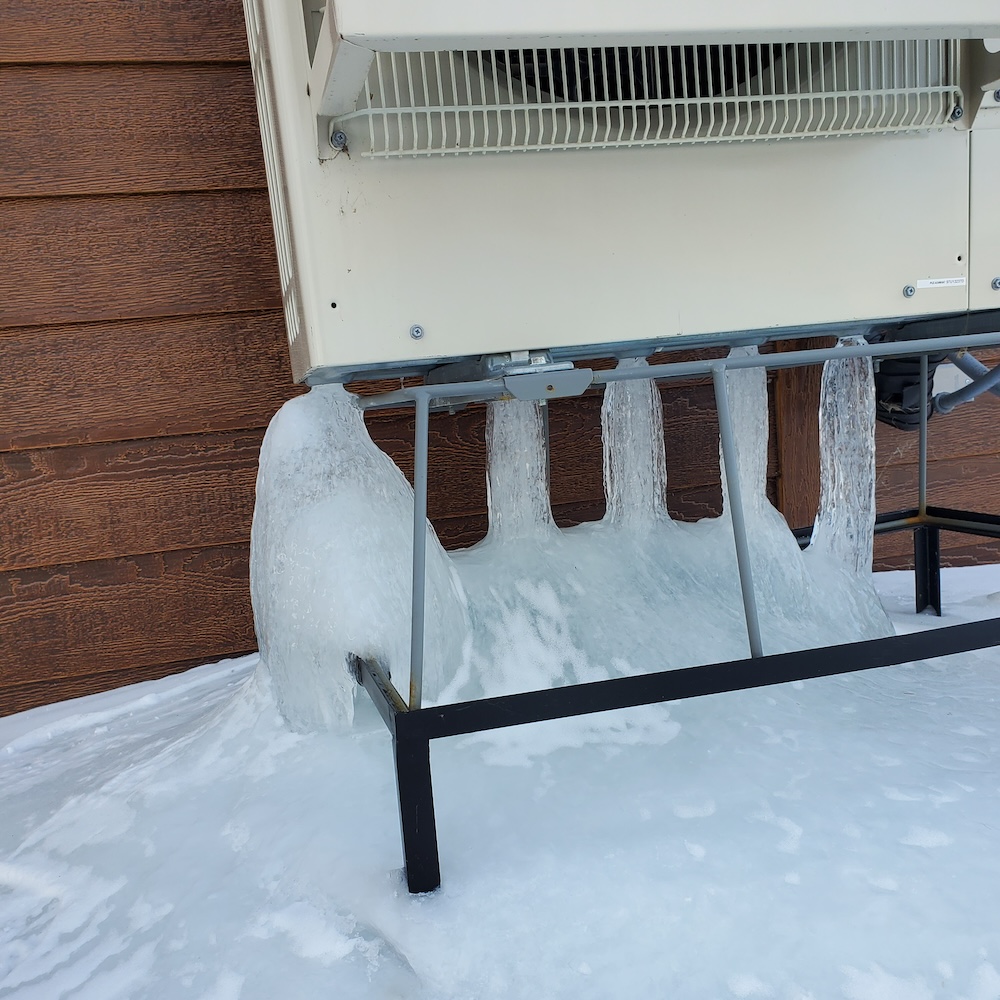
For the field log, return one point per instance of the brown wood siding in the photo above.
(144, 352)
(110, 257)
(142, 339)
(111, 31)
(107, 129)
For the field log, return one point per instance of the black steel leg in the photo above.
(927, 568)
(416, 813)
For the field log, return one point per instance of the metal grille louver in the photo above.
(532, 99)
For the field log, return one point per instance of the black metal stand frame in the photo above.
(927, 527)
(412, 730)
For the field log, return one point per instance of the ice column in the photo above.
(517, 472)
(846, 515)
(747, 390)
(330, 563)
(635, 465)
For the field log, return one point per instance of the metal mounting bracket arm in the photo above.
(549, 385)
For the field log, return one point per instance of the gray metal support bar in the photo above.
(922, 444)
(418, 608)
(731, 465)
(547, 441)
(495, 388)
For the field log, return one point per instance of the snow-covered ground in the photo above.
(835, 838)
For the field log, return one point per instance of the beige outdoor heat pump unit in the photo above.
(452, 180)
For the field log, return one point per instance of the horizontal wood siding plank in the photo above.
(79, 130)
(115, 31)
(68, 505)
(93, 383)
(964, 483)
(123, 615)
(970, 430)
(95, 259)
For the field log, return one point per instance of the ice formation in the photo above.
(847, 455)
(532, 606)
(841, 547)
(635, 461)
(330, 561)
(517, 475)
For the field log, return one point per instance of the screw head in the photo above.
(996, 96)
(995, 284)
(957, 113)
(338, 139)
(416, 331)
(909, 291)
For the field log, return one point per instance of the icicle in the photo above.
(846, 513)
(635, 466)
(747, 390)
(517, 485)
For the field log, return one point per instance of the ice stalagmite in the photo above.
(777, 568)
(515, 578)
(516, 476)
(841, 551)
(330, 562)
(635, 465)
(846, 514)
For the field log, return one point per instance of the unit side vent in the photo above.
(531, 99)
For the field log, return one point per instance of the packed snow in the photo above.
(232, 833)
(833, 838)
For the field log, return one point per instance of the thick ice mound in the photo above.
(638, 591)
(533, 606)
(841, 549)
(330, 556)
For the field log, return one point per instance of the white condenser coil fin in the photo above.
(572, 98)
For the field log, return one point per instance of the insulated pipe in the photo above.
(970, 366)
(947, 401)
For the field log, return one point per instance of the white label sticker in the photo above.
(940, 282)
